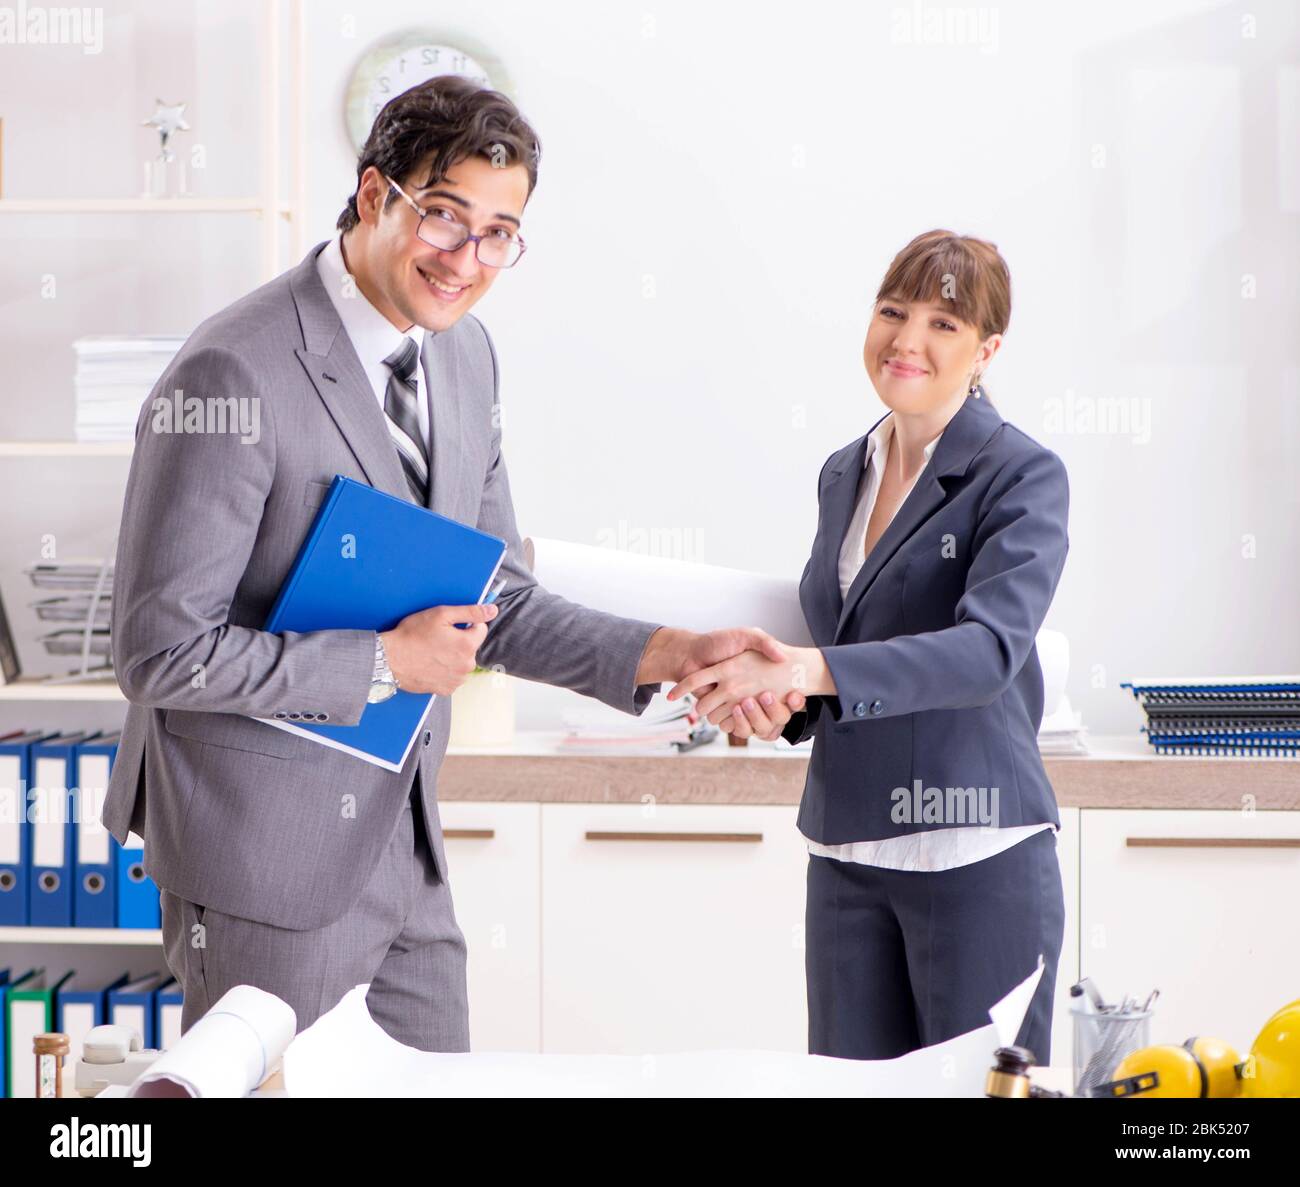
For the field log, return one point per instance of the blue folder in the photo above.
(168, 1001)
(79, 1006)
(369, 560)
(15, 832)
(135, 1005)
(93, 903)
(54, 776)
(136, 894)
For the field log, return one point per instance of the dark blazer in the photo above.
(932, 652)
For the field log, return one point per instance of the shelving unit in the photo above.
(73, 449)
(131, 936)
(105, 951)
(27, 690)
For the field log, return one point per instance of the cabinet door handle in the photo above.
(1213, 842)
(742, 838)
(469, 834)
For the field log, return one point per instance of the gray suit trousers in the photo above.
(400, 935)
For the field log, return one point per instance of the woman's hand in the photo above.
(764, 718)
(727, 685)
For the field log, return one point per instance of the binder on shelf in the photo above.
(31, 1013)
(15, 831)
(369, 560)
(78, 1007)
(167, 1022)
(136, 893)
(9, 981)
(134, 1004)
(93, 903)
(54, 776)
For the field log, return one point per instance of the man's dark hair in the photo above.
(451, 118)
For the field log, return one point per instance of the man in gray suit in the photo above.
(283, 863)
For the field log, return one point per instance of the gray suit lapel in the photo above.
(332, 365)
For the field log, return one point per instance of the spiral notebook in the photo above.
(1254, 716)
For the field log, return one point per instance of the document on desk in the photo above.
(345, 1053)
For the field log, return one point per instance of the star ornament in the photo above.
(167, 118)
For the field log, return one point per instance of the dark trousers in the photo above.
(901, 959)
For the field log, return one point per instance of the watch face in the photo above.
(396, 65)
(381, 692)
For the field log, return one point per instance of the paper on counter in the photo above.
(346, 1053)
(677, 593)
(227, 1052)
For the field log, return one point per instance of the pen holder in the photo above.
(1101, 1040)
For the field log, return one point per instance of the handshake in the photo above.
(746, 682)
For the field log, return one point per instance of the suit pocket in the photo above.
(232, 732)
(314, 493)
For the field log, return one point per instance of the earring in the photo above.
(975, 389)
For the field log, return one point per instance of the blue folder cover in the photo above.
(136, 1002)
(168, 1001)
(92, 901)
(15, 832)
(54, 776)
(136, 894)
(369, 560)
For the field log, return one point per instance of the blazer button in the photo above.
(877, 707)
(428, 737)
(860, 709)
(322, 716)
(281, 713)
(295, 716)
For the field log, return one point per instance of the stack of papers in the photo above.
(599, 729)
(1062, 731)
(114, 376)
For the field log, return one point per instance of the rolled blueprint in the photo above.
(677, 593)
(227, 1052)
(708, 597)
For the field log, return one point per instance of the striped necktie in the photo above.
(404, 421)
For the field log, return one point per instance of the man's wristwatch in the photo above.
(382, 684)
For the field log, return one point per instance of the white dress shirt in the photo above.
(940, 848)
(373, 336)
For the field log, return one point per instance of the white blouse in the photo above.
(940, 848)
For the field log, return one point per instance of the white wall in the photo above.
(722, 187)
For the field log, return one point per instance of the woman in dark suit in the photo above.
(933, 880)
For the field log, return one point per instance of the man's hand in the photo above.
(427, 652)
(674, 655)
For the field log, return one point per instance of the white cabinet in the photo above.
(1202, 905)
(493, 851)
(672, 928)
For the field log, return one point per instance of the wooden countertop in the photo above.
(1118, 772)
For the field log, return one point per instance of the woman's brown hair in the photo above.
(966, 275)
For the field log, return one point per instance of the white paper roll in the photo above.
(227, 1052)
(1054, 658)
(677, 593)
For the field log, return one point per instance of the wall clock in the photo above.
(399, 62)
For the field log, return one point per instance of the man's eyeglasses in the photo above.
(496, 249)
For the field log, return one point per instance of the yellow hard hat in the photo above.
(1273, 1066)
(1201, 1067)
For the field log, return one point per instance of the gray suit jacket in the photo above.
(932, 651)
(236, 814)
